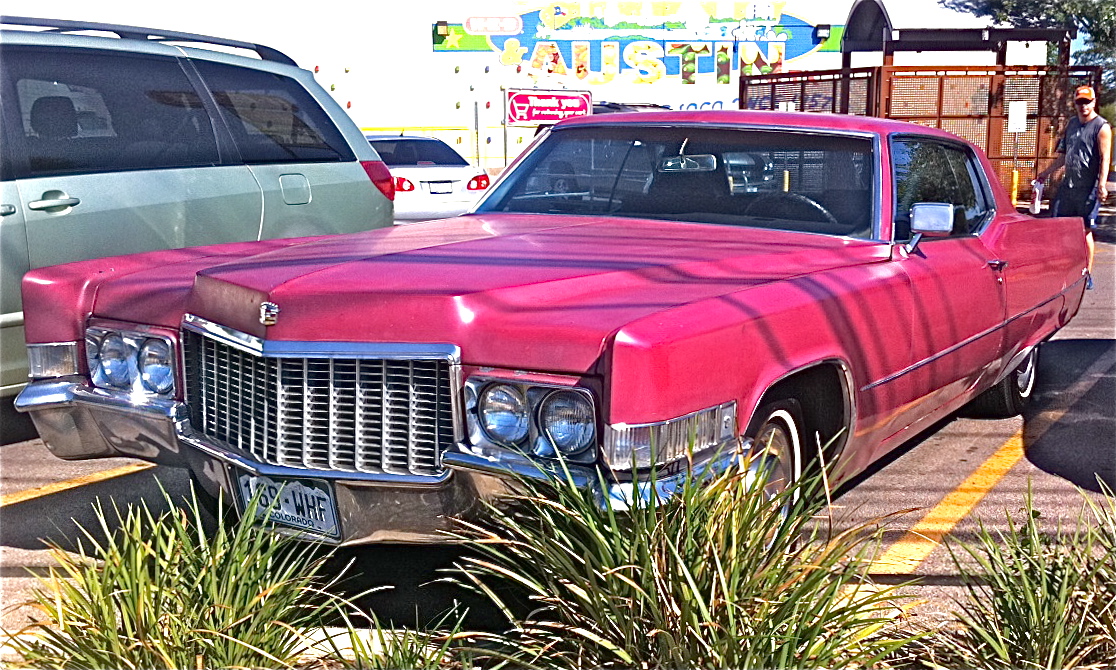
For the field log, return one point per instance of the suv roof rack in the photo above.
(148, 34)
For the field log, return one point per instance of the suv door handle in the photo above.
(997, 265)
(7, 210)
(52, 203)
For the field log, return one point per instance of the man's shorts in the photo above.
(1078, 203)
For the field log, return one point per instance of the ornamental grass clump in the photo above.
(717, 575)
(1035, 599)
(162, 593)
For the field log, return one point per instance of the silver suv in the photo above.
(117, 141)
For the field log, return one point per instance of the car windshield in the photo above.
(774, 179)
(416, 152)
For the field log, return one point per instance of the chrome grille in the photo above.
(351, 414)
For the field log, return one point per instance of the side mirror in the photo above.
(932, 219)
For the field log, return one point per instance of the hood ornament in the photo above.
(269, 313)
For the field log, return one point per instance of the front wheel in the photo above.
(1010, 395)
(777, 446)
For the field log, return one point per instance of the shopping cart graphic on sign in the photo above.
(534, 106)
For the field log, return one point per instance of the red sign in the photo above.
(533, 106)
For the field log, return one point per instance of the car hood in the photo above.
(523, 291)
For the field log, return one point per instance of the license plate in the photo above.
(305, 505)
(440, 187)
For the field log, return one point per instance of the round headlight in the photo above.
(567, 419)
(156, 366)
(114, 361)
(503, 413)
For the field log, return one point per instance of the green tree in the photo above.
(1094, 19)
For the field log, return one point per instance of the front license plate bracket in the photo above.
(299, 506)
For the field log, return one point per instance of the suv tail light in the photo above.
(403, 184)
(380, 175)
(478, 183)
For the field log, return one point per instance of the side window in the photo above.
(273, 118)
(931, 171)
(86, 111)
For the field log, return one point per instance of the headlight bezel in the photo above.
(538, 441)
(130, 376)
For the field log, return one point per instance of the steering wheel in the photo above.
(785, 205)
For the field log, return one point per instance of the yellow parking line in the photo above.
(31, 494)
(904, 557)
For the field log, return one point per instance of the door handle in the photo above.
(7, 210)
(52, 203)
(997, 265)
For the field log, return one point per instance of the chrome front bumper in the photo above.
(78, 422)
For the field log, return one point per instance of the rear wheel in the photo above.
(777, 446)
(1011, 394)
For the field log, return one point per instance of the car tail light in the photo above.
(380, 175)
(478, 183)
(403, 184)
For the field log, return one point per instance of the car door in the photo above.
(13, 355)
(309, 175)
(957, 305)
(121, 157)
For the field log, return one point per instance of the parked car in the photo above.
(125, 141)
(645, 316)
(432, 181)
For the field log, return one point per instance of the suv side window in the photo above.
(931, 171)
(87, 111)
(272, 117)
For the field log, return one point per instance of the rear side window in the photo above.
(417, 152)
(273, 118)
(86, 111)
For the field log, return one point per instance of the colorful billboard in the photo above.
(600, 42)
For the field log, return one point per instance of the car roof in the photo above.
(141, 39)
(754, 118)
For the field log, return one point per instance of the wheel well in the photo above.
(826, 408)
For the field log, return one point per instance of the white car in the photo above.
(432, 181)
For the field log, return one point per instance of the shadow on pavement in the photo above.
(1076, 443)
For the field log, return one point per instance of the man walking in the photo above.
(1085, 150)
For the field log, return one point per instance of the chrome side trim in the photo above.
(927, 361)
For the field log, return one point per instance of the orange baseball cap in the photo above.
(1084, 93)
